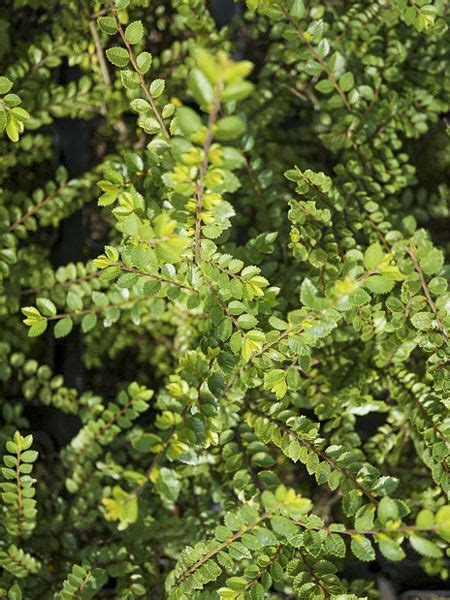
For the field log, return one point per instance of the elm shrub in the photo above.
(265, 330)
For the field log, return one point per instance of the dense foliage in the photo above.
(264, 335)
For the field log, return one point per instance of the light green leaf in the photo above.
(157, 87)
(74, 302)
(346, 82)
(188, 121)
(378, 284)
(29, 456)
(38, 328)
(134, 32)
(422, 320)
(247, 321)
(424, 546)
(387, 510)
(12, 129)
(373, 257)
(107, 25)
(88, 322)
(324, 86)
(144, 61)
(5, 85)
(229, 128)
(140, 105)
(362, 548)
(46, 307)
(200, 87)
(63, 327)
(118, 56)
(364, 517)
(390, 548)
(298, 9)
(425, 518)
(335, 545)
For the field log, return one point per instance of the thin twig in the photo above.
(138, 71)
(33, 210)
(100, 55)
(426, 291)
(225, 544)
(316, 55)
(156, 277)
(345, 472)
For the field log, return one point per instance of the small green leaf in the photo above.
(443, 522)
(15, 593)
(422, 320)
(431, 261)
(5, 85)
(144, 61)
(275, 380)
(364, 517)
(236, 583)
(335, 545)
(168, 110)
(346, 82)
(247, 321)
(362, 548)
(29, 456)
(46, 307)
(390, 548)
(373, 257)
(293, 379)
(3, 120)
(157, 87)
(168, 485)
(108, 25)
(38, 328)
(324, 86)
(200, 87)
(188, 121)
(88, 322)
(424, 546)
(12, 129)
(151, 125)
(236, 342)
(283, 526)
(118, 56)
(134, 32)
(63, 327)
(378, 284)
(387, 510)
(74, 302)
(238, 90)
(229, 128)
(140, 105)
(298, 9)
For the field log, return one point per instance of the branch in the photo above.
(316, 55)
(36, 208)
(138, 71)
(426, 291)
(156, 277)
(224, 307)
(19, 495)
(225, 544)
(100, 55)
(93, 309)
(319, 452)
